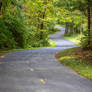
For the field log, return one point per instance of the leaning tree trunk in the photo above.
(89, 22)
(66, 28)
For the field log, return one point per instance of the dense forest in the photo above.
(28, 23)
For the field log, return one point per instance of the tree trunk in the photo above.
(72, 28)
(42, 24)
(89, 22)
(66, 28)
(0, 6)
(42, 27)
(76, 30)
(81, 28)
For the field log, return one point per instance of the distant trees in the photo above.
(87, 12)
(76, 14)
(70, 16)
(85, 7)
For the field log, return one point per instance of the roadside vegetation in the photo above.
(75, 38)
(77, 20)
(52, 43)
(77, 59)
(2, 52)
(22, 26)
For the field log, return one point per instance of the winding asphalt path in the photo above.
(37, 70)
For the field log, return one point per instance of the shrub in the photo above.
(85, 39)
(6, 37)
(84, 43)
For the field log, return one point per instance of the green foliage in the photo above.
(24, 26)
(77, 59)
(84, 42)
(6, 37)
(28, 23)
(75, 38)
(76, 17)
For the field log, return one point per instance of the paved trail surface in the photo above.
(38, 71)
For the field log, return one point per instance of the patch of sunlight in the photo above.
(52, 43)
(66, 57)
(88, 75)
(74, 38)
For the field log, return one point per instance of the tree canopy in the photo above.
(28, 23)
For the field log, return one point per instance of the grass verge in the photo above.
(4, 51)
(77, 59)
(52, 43)
(74, 38)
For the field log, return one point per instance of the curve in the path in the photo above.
(60, 41)
(38, 71)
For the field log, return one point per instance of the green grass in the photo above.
(61, 25)
(77, 59)
(74, 38)
(52, 43)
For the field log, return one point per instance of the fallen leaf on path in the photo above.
(46, 79)
(42, 81)
(1, 56)
(31, 70)
(1, 63)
